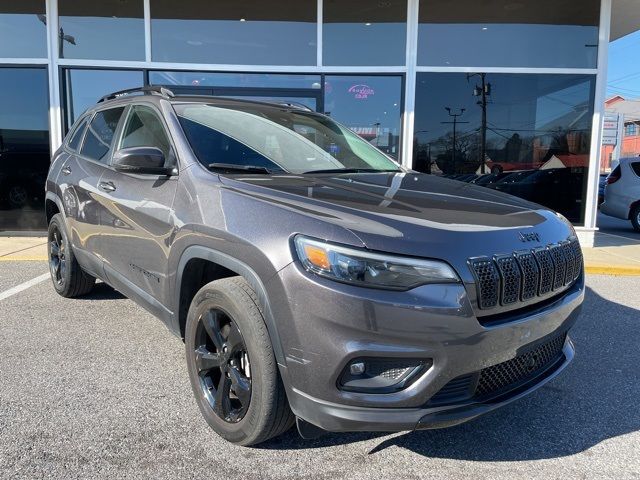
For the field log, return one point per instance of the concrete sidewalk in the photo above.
(611, 255)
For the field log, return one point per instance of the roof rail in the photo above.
(150, 89)
(298, 105)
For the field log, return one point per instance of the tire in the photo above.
(225, 334)
(635, 218)
(67, 275)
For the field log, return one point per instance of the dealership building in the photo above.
(469, 89)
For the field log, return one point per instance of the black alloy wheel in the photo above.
(223, 365)
(57, 258)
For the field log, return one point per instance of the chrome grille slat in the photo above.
(522, 275)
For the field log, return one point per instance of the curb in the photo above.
(611, 270)
(23, 258)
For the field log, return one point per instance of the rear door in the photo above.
(79, 181)
(138, 222)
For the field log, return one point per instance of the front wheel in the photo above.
(233, 371)
(635, 218)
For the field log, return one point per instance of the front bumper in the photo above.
(323, 325)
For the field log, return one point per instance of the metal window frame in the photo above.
(408, 71)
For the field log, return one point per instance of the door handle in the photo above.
(107, 186)
(66, 170)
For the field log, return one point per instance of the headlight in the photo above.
(366, 269)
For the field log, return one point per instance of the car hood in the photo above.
(410, 213)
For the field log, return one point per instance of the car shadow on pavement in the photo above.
(102, 291)
(594, 399)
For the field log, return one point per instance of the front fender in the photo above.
(241, 268)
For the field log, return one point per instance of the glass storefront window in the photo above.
(247, 32)
(362, 32)
(507, 33)
(368, 105)
(534, 137)
(24, 147)
(85, 87)
(23, 29)
(263, 87)
(105, 30)
(241, 80)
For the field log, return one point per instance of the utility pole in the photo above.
(455, 123)
(482, 91)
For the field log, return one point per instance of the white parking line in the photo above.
(23, 286)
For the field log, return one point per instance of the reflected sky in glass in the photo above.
(506, 45)
(24, 98)
(23, 35)
(364, 44)
(223, 79)
(234, 42)
(86, 87)
(104, 30)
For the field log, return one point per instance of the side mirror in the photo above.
(149, 160)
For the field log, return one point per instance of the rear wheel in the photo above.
(635, 217)
(231, 364)
(67, 275)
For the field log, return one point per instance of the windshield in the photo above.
(276, 140)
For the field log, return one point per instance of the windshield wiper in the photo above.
(352, 170)
(230, 167)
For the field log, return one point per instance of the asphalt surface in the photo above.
(616, 226)
(97, 388)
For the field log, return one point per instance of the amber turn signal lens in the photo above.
(317, 257)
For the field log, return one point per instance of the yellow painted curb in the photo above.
(33, 258)
(610, 270)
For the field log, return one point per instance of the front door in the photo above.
(138, 221)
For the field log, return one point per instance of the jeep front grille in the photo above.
(520, 276)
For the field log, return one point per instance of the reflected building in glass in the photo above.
(501, 94)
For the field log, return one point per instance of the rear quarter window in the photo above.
(635, 166)
(76, 135)
(101, 130)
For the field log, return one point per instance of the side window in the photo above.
(636, 168)
(76, 135)
(97, 141)
(145, 129)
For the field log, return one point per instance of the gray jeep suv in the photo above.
(312, 278)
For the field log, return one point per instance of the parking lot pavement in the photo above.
(97, 387)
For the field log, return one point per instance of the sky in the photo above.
(623, 77)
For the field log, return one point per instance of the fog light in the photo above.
(381, 375)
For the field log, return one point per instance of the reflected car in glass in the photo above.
(313, 279)
(622, 192)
